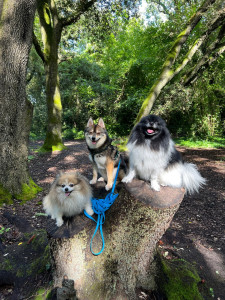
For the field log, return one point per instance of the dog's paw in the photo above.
(89, 210)
(59, 222)
(108, 186)
(101, 179)
(93, 181)
(129, 177)
(155, 186)
(125, 179)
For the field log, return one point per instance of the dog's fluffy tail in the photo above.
(192, 179)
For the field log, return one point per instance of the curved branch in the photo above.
(165, 9)
(38, 48)
(82, 7)
(204, 63)
(218, 21)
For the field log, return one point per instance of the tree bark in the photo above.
(134, 224)
(167, 73)
(15, 112)
(51, 31)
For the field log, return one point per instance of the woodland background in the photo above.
(63, 61)
(112, 55)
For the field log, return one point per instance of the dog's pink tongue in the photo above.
(150, 130)
(67, 194)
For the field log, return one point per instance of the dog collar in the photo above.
(101, 149)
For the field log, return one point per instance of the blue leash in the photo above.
(99, 206)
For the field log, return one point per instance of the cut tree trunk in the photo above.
(133, 226)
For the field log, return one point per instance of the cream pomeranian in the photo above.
(69, 195)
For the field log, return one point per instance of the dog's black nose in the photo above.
(93, 138)
(66, 189)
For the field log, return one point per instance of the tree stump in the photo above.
(133, 226)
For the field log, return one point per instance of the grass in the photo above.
(213, 142)
(120, 142)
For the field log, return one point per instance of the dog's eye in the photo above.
(71, 185)
(63, 185)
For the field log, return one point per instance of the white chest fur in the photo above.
(99, 160)
(146, 162)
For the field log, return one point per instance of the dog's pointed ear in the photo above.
(77, 177)
(101, 123)
(58, 175)
(57, 178)
(90, 122)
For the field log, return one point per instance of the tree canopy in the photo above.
(112, 59)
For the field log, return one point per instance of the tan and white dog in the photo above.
(103, 155)
(69, 195)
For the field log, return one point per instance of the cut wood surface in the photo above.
(133, 226)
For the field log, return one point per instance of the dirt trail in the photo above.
(197, 232)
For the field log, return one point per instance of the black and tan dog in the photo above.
(103, 155)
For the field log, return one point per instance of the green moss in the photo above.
(42, 294)
(144, 106)
(57, 99)
(179, 280)
(47, 14)
(29, 191)
(52, 147)
(58, 147)
(5, 196)
(182, 34)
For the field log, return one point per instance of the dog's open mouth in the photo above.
(68, 193)
(151, 131)
(94, 141)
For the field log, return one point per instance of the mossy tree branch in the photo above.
(212, 53)
(82, 7)
(38, 48)
(218, 21)
(167, 73)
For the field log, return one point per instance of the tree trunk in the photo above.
(51, 30)
(134, 224)
(15, 114)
